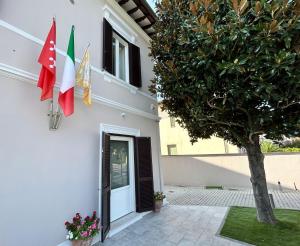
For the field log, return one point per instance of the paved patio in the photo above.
(175, 225)
(176, 195)
(193, 217)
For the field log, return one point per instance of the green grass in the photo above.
(218, 187)
(241, 224)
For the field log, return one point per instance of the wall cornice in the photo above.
(21, 75)
(112, 78)
(123, 14)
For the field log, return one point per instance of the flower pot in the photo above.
(87, 242)
(158, 205)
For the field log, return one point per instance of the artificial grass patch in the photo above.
(241, 224)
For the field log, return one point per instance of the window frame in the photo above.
(170, 146)
(118, 39)
(172, 122)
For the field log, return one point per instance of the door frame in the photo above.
(113, 130)
(130, 140)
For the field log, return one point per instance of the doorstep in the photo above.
(127, 220)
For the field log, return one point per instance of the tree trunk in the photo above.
(259, 184)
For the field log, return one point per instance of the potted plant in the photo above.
(158, 200)
(81, 232)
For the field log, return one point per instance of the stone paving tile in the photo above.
(176, 195)
(175, 226)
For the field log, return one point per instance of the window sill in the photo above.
(111, 78)
(134, 90)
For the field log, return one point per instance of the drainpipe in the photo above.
(159, 155)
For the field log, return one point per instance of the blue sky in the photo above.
(151, 3)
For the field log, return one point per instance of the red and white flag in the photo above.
(48, 61)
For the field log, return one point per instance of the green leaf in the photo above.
(250, 56)
(287, 42)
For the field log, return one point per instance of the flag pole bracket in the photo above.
(54, 117)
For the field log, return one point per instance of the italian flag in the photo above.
(66, 92)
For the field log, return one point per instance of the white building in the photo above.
(104, 157)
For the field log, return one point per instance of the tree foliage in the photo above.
(229, 68)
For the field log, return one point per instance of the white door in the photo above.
(122, 199)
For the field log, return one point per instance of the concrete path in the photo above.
(175, 226)
(289, 199)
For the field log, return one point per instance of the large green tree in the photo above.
(231, 68)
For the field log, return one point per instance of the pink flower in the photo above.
(84, 234)
(94, 226)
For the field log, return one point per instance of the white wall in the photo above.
(48, 176)
(34, 17)
(229, 170)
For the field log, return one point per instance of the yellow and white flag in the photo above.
(83, 77)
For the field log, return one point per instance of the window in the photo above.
(226, 147)
(121, 58)
(172, 122)
(172, 149)
(120, 61)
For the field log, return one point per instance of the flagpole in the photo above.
(86, 49)
(58, 115)
(50, 114)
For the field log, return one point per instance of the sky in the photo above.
(151, 3)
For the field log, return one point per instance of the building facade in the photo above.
(176, 141)
(104, 157)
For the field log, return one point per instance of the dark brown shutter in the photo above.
(144, 174)
(107, 46)
(105, 212)
(135, 77)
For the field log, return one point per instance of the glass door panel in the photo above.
(119, 155)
